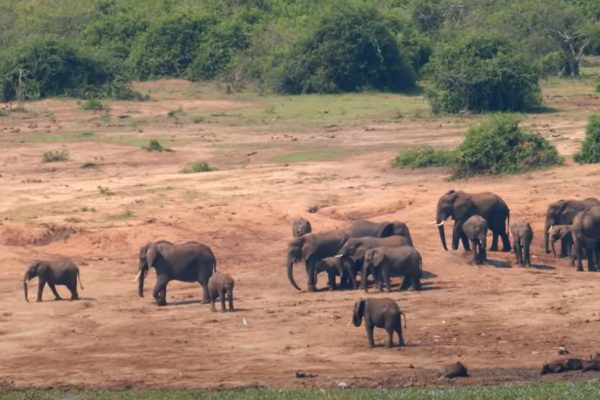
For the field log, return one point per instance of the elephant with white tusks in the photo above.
(187, 262)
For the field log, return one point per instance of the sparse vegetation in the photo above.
(94, 104)
(55, 156)
(590, 148)
(426, 157)
(197, 166)
(3, 112)
(105, 191)
(155, 145)
(125, 215)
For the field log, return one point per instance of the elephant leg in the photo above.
(53, 288)
(484, 249)
(563, 247)
(494, 246)
(527, 254)
(579, 255)
(222, 295)
(331, 280)
(230, 298)
(386, 278)
(465, 241)
(205, 298)
(474, 250)
(41, 285)
(590, 256)
(160, 290)
(369, 327)
(390, 341)
(505, 239)
(399, 332)
(312, 276)
(456, 234)
(553, 249)
(406, 282)
(518, 252)
(416, 283)
(212, 304)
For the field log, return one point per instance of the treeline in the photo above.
(477, 55)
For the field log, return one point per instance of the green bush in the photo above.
(53, 67)
(590, 148)
(499, 146)
(197, 166)
(94, 105)
(155, 145)
(55, 156)
(481, 73)
(426, 157)
(554, 64)
(350, 50)
(598, 84)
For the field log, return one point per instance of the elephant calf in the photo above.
(475, 228)
(562, 233)
(58, 271)
(380, 313)
(342, 266)
(385, 262)
(220, 285)
(522, 237)
(561, 365)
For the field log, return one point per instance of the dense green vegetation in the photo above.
(426, 157)
(484, 55)
(590, 149)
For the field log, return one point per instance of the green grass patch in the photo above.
(311, 155)
(55, 156)
(531, 391)
(125, 215)
(155, 145)
(426, 157)
(94, 105)
(196, 166)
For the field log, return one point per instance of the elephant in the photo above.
(562, 212)
(56, 271)
(562, 233)
(220, 285)
(475, 228)
(381, 313)
(461, 205)
(522, 237)
(362, 228)
(301, 226)
(311, 248)
(586, 236)
(561, 365)
(386, 262)
(187, 262)
(342, 266)
(456, 370)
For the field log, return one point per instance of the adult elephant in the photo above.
(187, 262)
(311, 248)
(363, 228)
(562, 212)
(461, 206)
(586, 236)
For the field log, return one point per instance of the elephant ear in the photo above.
(462, 206)
(385, 229)
(377, 257)
(309, 245)
(151, 254)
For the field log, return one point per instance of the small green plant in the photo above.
(86, 134)
(94, 105)
(127, 214)
(88, 209)
(598, 84)
(426, 157)
(155, 145)
(590, 148)
(197, 166)
(56, 156)
(103, 190)
(197, 120)
(176, 113)
(3, 112)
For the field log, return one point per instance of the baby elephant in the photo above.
(475, 228)
(522, 236)
(380, 313)
(57, 271)
(385, 262)
(342, 266)
(562, 233)
(219, 285)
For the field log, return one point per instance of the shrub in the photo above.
(197, 166)
(426, 157)
(155, 145)
(94, 105)
(499, 146)
(55, 156)
(481, 73)
(590, 148)
(350, 50)
(53, 67)
(598, 84)
(554, 64)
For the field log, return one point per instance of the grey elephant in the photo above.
(562, 233)
(475, 228)
(461, 205)
(220, 286)
(381, 313)
(187, 262)
(337, 266)
(362, 228)
(55, 271)
(562, 212)
(586, 237)
(301, 226)
(385, 262)
(311, 248)
(522, 237)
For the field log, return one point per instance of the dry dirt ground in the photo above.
(502, 321)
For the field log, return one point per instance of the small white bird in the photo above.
(244, 321)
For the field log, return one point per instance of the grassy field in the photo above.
(499, 392)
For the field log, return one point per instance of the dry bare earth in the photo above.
(500, 320)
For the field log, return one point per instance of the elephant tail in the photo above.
(79, 278)
(508, 223)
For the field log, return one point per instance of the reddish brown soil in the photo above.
(502, 321)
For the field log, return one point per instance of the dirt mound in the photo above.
(48, 233)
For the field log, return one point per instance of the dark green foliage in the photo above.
(499, 146)
(195, 167)
(481, 73)
(426, 157)
(590, 148)
(155, 145)
(53, 67)
(554, 64)
(351, 49)
(598, 84)
(55, 156)
(94, 105)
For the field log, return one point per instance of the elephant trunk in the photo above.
(547, 236)
(442, 235)
(290, 272)
(365, 277)
(25, 281)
